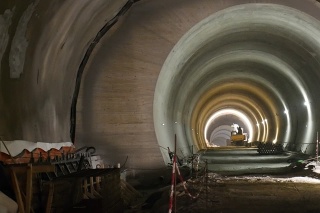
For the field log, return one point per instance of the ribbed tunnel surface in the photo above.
(259, 61)
(164, 68)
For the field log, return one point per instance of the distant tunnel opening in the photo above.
(222, 123)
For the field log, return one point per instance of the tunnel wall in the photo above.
(36, 101)
(116, 104)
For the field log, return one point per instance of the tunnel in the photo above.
(137, 78)
(257, 67)
(133, 78)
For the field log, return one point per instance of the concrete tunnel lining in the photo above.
(141, 41)
(248, 105)
(257, 97)
(175, 99)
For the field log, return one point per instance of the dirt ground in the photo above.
(251, 194)
(295, 192)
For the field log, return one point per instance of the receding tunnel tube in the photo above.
(265, 44)
(237, 113)
(220, 135)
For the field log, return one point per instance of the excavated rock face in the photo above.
(159, 69)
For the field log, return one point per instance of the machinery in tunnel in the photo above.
(238, 136)
(219, 132)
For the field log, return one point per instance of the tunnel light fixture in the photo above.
(162, 124)
(176, 122)
(285, 111)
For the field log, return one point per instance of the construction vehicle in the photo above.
(238, 138)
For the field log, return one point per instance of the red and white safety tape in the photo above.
(173, 177)
(185, 185)
(175, 169)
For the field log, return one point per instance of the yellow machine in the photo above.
(238, 139)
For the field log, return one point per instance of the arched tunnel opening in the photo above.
(254, 62)
(139, 79)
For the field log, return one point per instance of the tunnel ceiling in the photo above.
(136, 73)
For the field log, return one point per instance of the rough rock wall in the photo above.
(47, 41)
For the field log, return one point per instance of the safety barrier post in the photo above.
(206, 175)
(317, 150)
(191, 160)
(173, 177)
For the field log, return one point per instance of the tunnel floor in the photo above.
(298, 192)
(240, 180)
(254, 194)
